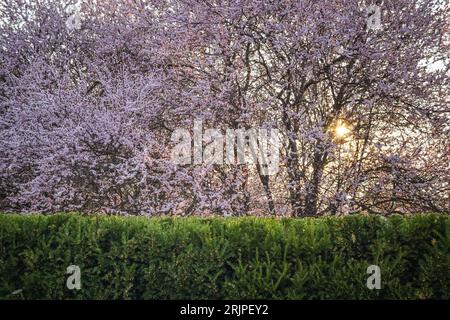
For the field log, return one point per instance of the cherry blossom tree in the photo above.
(89, 102)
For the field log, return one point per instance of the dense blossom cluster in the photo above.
(87, 113)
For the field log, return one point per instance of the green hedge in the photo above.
(224, 258)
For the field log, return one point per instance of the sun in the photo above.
(342, 130)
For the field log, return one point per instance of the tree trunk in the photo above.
(312, 191)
